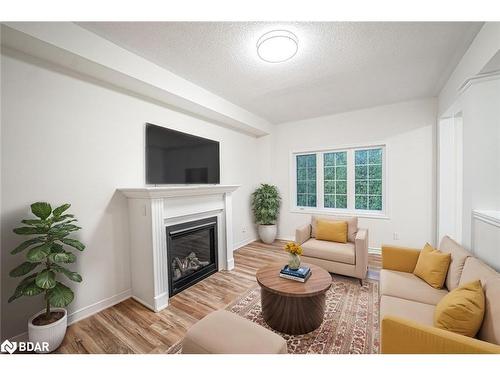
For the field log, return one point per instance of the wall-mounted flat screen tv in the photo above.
(173, 157)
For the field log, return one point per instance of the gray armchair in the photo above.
(349, 259)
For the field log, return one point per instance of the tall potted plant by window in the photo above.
(46, 253)
(266, 206)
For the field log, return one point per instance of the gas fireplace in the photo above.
(192, 252)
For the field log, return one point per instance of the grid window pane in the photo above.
(375, 172)
(330, 200)
(306, 180)
(341, 201)
(340, 187)
(361, 187)
(368, 179)
(375, 187)
(375, 202)
(329, 187)
(335, 179)
(361, 202)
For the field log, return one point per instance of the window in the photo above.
(335, 179)
(344, 180)
(306, 180)
(368, 179)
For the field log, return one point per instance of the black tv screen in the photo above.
(173, 157)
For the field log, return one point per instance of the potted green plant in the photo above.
(46, 253)
(266, 206)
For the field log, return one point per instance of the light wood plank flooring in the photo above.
(129, 327)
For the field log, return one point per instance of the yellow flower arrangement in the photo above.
(293, 248)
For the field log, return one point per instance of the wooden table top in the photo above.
(269, 279)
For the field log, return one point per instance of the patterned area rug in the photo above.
(350, 324)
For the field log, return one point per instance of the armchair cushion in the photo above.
(331, 230)
(327, 250)
(352, 225)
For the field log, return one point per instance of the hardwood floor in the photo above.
(129, 327)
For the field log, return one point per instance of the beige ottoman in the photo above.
(222, 332)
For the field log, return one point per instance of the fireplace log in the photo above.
(187, 265)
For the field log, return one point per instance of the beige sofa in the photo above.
(407, 303)
(349, 259)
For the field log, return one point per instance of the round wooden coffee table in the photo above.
(291, 306)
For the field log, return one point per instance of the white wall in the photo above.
(478, 101)
(65, 139)
(480, 106)
(408, 130)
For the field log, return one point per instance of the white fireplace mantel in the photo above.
(178, 191)
(151, 210)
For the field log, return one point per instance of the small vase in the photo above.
(294, 262)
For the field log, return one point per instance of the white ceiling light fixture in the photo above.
(277, 46)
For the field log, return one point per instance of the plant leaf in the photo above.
(73, 243)
(57, 248)
(74, 276)
(64, 217)
(31, 289)
(35, 222)
(20, 287)
(59, 210)
(23, 269)
(41, 210)
(31, 230)
(60, 295)
(26, 244)
(58, 233)
(64, 257)
(66, 227)
(38, 253)
(46, 279)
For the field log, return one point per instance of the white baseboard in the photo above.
(244, 243)
(230, 264)
(285, 238)
(87, 311)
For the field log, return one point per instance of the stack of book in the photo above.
(301, 274)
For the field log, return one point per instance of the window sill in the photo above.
(313, 211)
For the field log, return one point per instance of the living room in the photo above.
(237, 187)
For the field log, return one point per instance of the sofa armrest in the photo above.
(402, 336)
(302, 234)
(398, 258)
(361, 252)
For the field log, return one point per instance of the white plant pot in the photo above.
(53, 333)
(267, 233)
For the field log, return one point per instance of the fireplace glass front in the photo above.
(192, 252)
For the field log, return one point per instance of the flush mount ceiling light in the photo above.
(277, 46)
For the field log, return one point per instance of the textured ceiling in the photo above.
(340, 66)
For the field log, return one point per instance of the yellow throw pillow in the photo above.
(462, 310)
(432, 266)
(331, 230)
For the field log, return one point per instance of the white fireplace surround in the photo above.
(151, 210)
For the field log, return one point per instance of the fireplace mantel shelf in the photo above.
(177, 191)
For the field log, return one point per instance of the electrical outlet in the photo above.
(395, 236)
(243, 230)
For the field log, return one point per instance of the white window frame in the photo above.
(350, 210)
